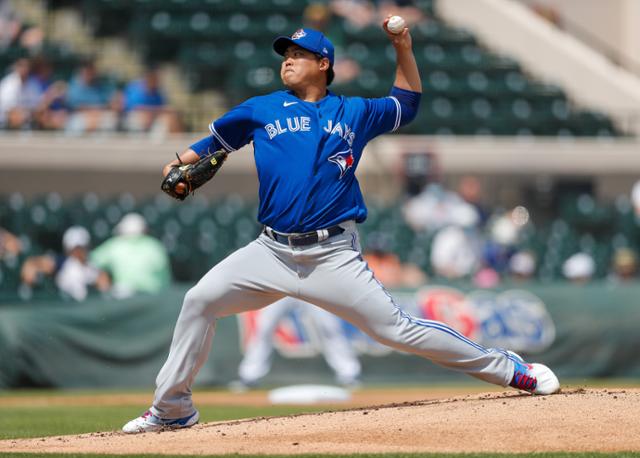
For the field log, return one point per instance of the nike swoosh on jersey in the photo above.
(286, 104)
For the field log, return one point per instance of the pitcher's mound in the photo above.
(575, 420)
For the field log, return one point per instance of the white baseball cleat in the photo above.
(534, 378)
(148, 422)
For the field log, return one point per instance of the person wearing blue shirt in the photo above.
(146, 107)
(94, 102)
(307, 144)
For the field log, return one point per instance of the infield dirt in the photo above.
(599, 420)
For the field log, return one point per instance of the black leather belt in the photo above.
(305, 238)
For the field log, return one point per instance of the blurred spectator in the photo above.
(14, 32)
(72, 271)
(387, 267)
(504, 235)
(579, 268)
(522, 265)
(405, 8)
(454, 253)
(146, 108)
(10, 25)
(435, 208)
(19, 97)
(360, 13)
(455, 250)
(624, 266)
(10, 245)
(52, 111)
(94, 102)
(137, 262)
(336, 348)
(318, 16)
(504, 231)
(470, 189)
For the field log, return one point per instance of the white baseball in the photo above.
(396, 24)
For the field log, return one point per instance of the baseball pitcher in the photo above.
(307, 144)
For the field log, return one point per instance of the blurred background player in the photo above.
(136, 261)
(74, 274)
(335, 347)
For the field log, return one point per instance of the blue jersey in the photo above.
(306, 154)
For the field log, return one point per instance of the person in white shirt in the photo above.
(72, 272)
(19, 96)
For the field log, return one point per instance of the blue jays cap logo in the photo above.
(298, 34)
(309, 39)
(344, 160)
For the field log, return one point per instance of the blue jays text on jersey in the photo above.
(306, 153)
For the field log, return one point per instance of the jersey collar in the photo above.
(327, 97)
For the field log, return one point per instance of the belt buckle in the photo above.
(303, 238)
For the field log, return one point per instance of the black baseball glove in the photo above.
(192, 175)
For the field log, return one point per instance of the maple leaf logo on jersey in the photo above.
(344, 160)
(298, 34)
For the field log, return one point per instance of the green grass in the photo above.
(22, 422)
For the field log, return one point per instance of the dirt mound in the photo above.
(575, 420)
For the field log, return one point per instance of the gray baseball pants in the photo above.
(331, 275)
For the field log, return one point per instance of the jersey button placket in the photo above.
(320, 141)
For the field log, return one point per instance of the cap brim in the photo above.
(281, 44)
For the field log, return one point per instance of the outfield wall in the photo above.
(581, 331)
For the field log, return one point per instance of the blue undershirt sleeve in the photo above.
(386, 114)
(207, 145)
(409, 103)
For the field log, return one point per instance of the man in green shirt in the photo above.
(136, 261)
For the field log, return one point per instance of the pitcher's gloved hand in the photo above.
(192, 176)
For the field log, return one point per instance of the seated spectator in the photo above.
(52, 111)
(137, 262)
(146, 107)
(455, 250)
(436, 207)
(625, 265)
(579, 268)
(504, 234)
(74, 275)
(94, 102)
(522, 265)
(388, 269)
(19, 97)
(10, 245)
(504, 231)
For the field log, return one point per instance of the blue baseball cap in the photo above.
(311, 40)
